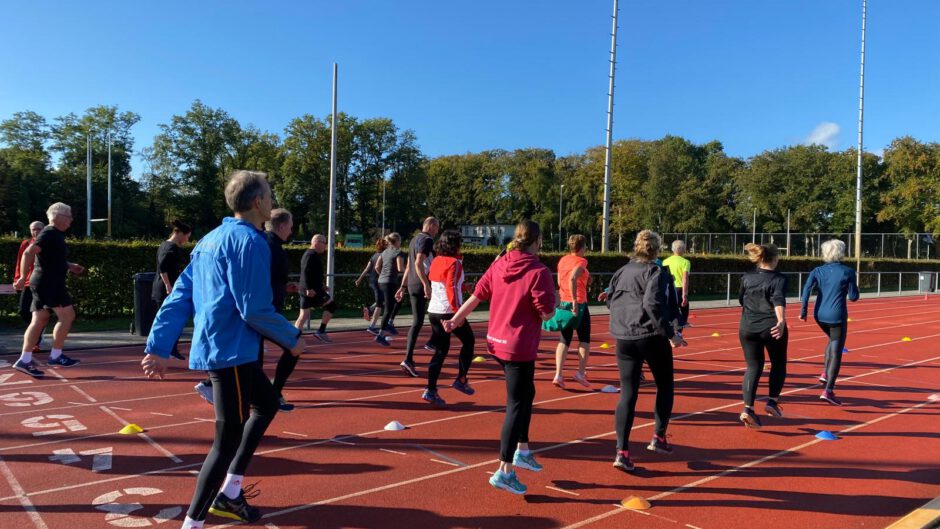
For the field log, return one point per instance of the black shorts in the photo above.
(379, 296)
(49, 298)
(314, 302)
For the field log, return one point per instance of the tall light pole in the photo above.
(331, 223)
(560, 192)
(109, 182)
(88, 182)
(858, 175)
(605, 232)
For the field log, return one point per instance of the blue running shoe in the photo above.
(622, 462)
(433, 398)
(463, 386)
(373, 330)
(391, 330)
(62, 361)
(381, 340)
(508, 482)
(526, 461)
(27, 367)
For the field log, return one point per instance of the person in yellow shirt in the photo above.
(680, 267)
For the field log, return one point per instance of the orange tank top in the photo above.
(566, 266)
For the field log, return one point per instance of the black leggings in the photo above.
(391, 304)
(630, 356)
(378, 294)
(245, 404)
(520, 394)
(440, 339)
(683, 316)
(837, 334)
(584, 330)
(419, 305)
(754, 344)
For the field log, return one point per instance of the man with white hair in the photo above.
(313, 293)
(49, 257)
(26, 295)
(680, 267)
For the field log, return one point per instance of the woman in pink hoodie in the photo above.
(521, 293)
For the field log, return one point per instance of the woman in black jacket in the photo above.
(639, 321)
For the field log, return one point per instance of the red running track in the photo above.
(330, 464)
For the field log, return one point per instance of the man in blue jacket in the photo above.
(226, 290)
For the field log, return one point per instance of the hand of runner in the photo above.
(427, 290)
(20, 284)
(399, 294)
(777, 330)
(602, 297)
(299, 347)
(154, 366)
(677, 342)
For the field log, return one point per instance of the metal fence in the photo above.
(885, 245)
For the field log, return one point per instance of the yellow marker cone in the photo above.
(479, 359)
(906, 339)
(605, 345)
(715, 335)
(636, 503)
(850, 319)
(131, 429)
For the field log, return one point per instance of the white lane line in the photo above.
(295, 433)
(270, 526)
(445, 462)
(21, 496)
(872, 384)
(81, 392)
(122, 409)
(161, 414)
(194, 472)
(690, 526)
(335, 440)
(744, 466)
(562, 490)
(144, 436)
(55, 373)
(393, 451)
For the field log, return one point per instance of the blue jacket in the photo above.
(226, 289)
(834, 281)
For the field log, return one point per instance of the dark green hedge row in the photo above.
(107, 288)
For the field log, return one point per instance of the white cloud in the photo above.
(826, 133)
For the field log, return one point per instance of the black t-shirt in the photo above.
(761, 291)
(171, 260)
(311, 273)
(279, 269)
(422, 243)
(373, 275)
(51, 264)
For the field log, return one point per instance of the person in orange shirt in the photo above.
(573, 277)
(26, 295)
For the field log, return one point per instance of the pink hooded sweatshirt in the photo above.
(519, 288)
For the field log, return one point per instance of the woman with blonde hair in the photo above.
(573, 278)
(373, 313)
(639, 320)
(834, 282)
(389, 264)
(521, 293)
(763, 299)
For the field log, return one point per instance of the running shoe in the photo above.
(373, 330)
(526, 461)
(581, 379)
(391, 330)
(204, 391)
(750, 419)
(175, 353)
(238, 508)
(830, 397)
(822, 378)
(660, 445)
(773, 409)
(409, 368)
(429, 347)
(508, 482)
(366, 313)
(322, 336)
(27, 367)
(433, 398)
(381, 340)
(62, 361)
(559, 381)
(463, 386)
(622, 462)
(283, 405)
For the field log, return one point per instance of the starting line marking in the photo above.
(445, 462)
(295, 433)
(393, 451)
(144, 436)
(82, 392)
(562, 490)
(161, 414)
(22, 497)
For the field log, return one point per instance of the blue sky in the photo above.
(469, 76)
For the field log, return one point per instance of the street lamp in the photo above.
(560, 190)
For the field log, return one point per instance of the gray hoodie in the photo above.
(637, 302)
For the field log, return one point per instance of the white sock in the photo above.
(55, 353)
(26, 356)
(232, 486)
(189, 523)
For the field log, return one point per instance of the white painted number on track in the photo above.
(25, 398)
(100, 461)
(119, 514)
(53, 424)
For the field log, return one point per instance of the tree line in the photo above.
(669, 184)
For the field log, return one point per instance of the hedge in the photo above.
(107, 288)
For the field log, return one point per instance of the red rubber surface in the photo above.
(329, 463)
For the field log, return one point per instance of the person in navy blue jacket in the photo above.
(833, 281)
(226, 290)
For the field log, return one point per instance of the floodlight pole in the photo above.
(88, 183)
(858, 176)
(331, 223)
(605, 232)
(109, 183)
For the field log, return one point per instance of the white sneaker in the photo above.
(204, 391)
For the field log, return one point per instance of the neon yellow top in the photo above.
(677, 266)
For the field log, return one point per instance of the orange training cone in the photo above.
(636, 503)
